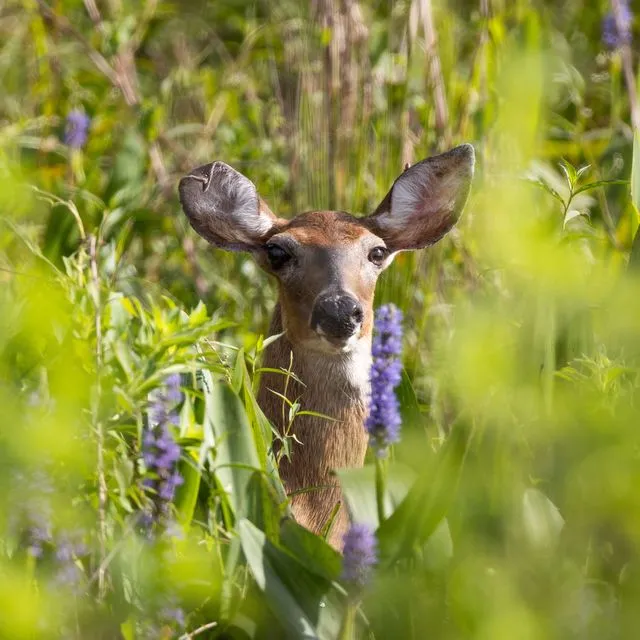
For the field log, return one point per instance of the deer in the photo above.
(326, 264)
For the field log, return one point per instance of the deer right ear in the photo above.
(223, 206)
(425, 201)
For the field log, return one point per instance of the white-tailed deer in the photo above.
(326, 264)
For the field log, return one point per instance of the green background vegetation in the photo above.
(519, 463)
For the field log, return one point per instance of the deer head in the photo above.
(327, 262)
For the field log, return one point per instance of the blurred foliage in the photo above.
(513, 496)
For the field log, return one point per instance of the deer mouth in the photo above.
(337, 344)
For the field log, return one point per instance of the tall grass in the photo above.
(511, 502)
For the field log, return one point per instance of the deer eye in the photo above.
(378, 254)
(277, 256)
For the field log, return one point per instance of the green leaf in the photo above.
(428, 501)
(310, 550)
(635, 172)
(541, 520)
(438, 549)
(634, 257)
(199, 315)
(262, 507)
(306, 605)
(598, 183)
(187, 493)
(359, 490)
(570, 215)
(569, 173)
(235, 452)
(582, 170)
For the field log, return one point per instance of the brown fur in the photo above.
(325, 445)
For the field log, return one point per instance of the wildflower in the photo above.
(165, 614)
(69, 547)
(76, 129)
(34, 517)
(383, 421)
(171, 613)
(360, 555)
(615, 34)
(160, 451)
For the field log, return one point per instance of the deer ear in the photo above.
(425, 201)
(223, 206)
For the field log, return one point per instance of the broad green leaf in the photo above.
(359, 490)
(428, 501)
(438, 549)
(263, 508)
(235, 452)
(310, 550)
(187, 493)
(541, 520)
(306, 605)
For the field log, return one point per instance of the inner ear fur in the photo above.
(425, 201)
(224, 207)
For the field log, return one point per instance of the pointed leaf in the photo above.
(428, 501)
(541, 519)
(635, 172)
(310, 550)
(235, 452)
(187, 493)
(306, 605)
(359, 490)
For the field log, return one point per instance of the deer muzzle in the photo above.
(336, 316)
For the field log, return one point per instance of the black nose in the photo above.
(337, 315)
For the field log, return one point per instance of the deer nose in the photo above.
(337, 315)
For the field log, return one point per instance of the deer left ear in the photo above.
(425, 201)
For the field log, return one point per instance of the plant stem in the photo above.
(97, 423)
(381, 476)
(348, 627)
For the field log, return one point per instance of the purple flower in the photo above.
(34, 516)
(360, 555)
(171, 613)
(164, 612)
(69, 574)
(161, 453)
(614, 35)
(383, 421)
(76, 129)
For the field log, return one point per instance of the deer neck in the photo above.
(334, 386)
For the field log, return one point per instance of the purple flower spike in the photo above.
(614, 35)
(360, 555)
(383, 421)
(161, 453)
(76, 129)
